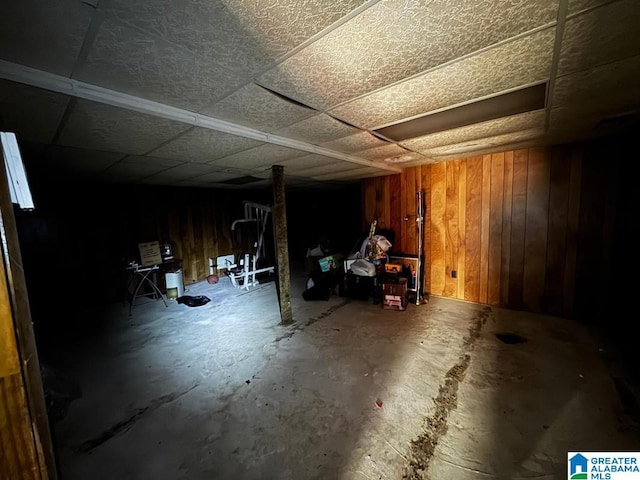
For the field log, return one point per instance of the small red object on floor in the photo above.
(378, 404)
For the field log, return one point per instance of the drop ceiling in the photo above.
(214, 93)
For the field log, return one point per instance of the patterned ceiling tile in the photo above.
(218, 181)
(158, 163)
(181, 172)
(130, 61)
(485, 151)
(203, 145)
(214, 177)
(354, 143)
(131, 170)
(295, 180)
(227, 31)
(488, 142)
(394, 39)
(521, 62)
(523, 121)
(422, 160)
(204, 55)
(600, 91)
(32, 112)
(281, 25)
(337, 167)
(600, 36)
(575, 6)
(258, 185)
(565, 128)
(79, 159)
(255, 107)
(359, 172)
(563, 125)
(262, 156)
(387, 150)
(214, 34)
(317, 129)
(299, 165)
(407, 159)
(103, 127)
(157, 180)
(43, 34)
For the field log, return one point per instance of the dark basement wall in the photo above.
(80, 236)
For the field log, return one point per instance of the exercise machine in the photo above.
(243, 270)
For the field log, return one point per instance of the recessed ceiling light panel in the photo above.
(512, 103)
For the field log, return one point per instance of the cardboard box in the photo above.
(150, 254)
(395, 288)
(394, 302)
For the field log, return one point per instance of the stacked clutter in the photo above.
(324, 269)
(363, 268)
(360, 279)
(375, 248)
(363, 274)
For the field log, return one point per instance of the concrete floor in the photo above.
(349, 391)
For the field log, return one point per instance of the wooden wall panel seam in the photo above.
(462, 201)
(506, 229)
(484, 232)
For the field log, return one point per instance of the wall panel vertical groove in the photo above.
(484, 230)
(572, 232)
(560, 172)
(462, 209)
(494, 271)
(438, 234)
(425, 182)
(452, 236)
(472, 229)
(507, 205)
(537, 221)
(17, 444)
(518, 218)
(395, 209)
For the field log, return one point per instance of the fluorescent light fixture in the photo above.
(16, 175)
(507, 104)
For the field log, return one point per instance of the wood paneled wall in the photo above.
(524, 229)
(79, 237)
(89, 232)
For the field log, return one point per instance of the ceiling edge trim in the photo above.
(74, 88)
